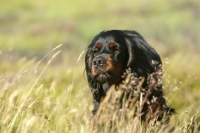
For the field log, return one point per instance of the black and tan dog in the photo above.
(110, 54)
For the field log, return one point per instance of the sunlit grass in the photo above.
(56, 97)
(36, 98)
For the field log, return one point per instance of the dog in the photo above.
(110, 54)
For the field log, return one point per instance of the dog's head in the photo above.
(106, 57)
(111, 52)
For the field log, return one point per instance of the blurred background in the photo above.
(30, 30)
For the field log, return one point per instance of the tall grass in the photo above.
(46, 102)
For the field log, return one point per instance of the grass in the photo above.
(50, 100)
(51, 94)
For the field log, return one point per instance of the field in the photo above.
(42, 47)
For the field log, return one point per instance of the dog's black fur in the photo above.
(110, 54)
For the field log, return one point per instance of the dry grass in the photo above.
(132, 108)
(56, 98)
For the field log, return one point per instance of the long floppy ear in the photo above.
(96, 88)
(88, 67)
(141, 55)
(131, 45)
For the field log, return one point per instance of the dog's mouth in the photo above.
(106, 77)
(102, 77)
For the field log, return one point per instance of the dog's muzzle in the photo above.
(98, 61)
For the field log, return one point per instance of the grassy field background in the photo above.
(43, 86)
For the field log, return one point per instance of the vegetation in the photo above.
(42, 44)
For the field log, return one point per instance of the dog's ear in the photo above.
(131, 45)
(141, 54)
(96, 88)
(88, 67)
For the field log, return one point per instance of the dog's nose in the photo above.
(99, 61)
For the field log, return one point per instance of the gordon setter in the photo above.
(110, 54)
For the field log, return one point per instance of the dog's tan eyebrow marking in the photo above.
(98, 45)
(112, 45)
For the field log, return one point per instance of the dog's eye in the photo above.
(95, 51)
